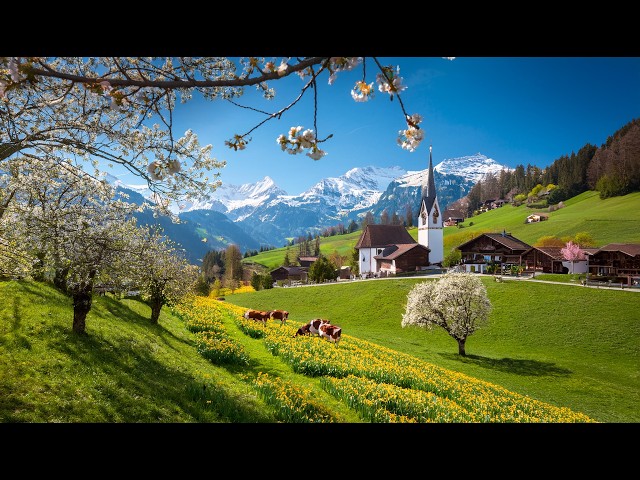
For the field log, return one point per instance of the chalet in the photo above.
(536, 217)
(288, 273)
(615, 259)
(306, 262)
(492, 248)
(452, 217)
(551, 260)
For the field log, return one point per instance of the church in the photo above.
(390, 249)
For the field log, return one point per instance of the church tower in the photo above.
(430, 226)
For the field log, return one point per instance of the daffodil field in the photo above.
(382, 385)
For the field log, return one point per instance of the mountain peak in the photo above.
(471, 167)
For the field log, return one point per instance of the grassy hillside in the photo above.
(125, 369)
(607, 221)
(564, 345)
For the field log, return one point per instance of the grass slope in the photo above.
(566, 345)
(125, 370)
(562, 344)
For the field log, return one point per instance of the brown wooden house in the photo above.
(615, 260)
(288, 273)
(306, 262)
(493, 248)
(400, 258)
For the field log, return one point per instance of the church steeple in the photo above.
(429, 196)
(430, 225)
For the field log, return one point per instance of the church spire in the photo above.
(431, 184)
(429, 196)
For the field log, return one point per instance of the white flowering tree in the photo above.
(71, 228)
(457, 302)
(158, 268)
(120, 110)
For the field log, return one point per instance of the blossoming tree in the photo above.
(457, 302)
(572, 252)
(158, 268)
(120, 110)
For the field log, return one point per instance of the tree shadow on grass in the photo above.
(532, 368)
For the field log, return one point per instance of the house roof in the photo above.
(308, 259)
(290, 270)
(503, 238)
(553, 252)
(395, 251)
(631, 249)
(383, 235)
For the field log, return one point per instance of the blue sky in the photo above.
(516, 110)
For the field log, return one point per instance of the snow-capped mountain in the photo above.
(471, 167)
(268, 215)
(454, 178)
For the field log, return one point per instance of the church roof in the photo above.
(383, 235)
(395, 251)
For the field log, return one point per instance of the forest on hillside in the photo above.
(612, 169)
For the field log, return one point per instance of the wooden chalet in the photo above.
(551, 260)
(288, 273)
(493, 248)
(306, 262)
(616, 260)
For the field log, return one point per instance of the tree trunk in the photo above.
(60, 279)
(461, 342)
(81, 306)
(156, 306)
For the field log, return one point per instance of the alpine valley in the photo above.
(262, 214)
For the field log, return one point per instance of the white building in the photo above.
(430, 225)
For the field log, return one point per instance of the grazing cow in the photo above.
(332, 333)
(257, 315)
(281, 315)
(314, 325)
(303, 330)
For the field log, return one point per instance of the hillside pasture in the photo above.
(562, 344)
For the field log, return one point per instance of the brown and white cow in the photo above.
(257, 315)
(311, 327)
(333, 333)
(281, 315)
(303, 330)
(314, 325)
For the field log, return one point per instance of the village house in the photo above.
(491, 249)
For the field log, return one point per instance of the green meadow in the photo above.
(564, 345)
(613, 220)
(559, 343)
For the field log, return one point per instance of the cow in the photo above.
(311, 327)
(303, 330)
(314, 325)
(281, 315)
(257, 315)
(332, 333)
